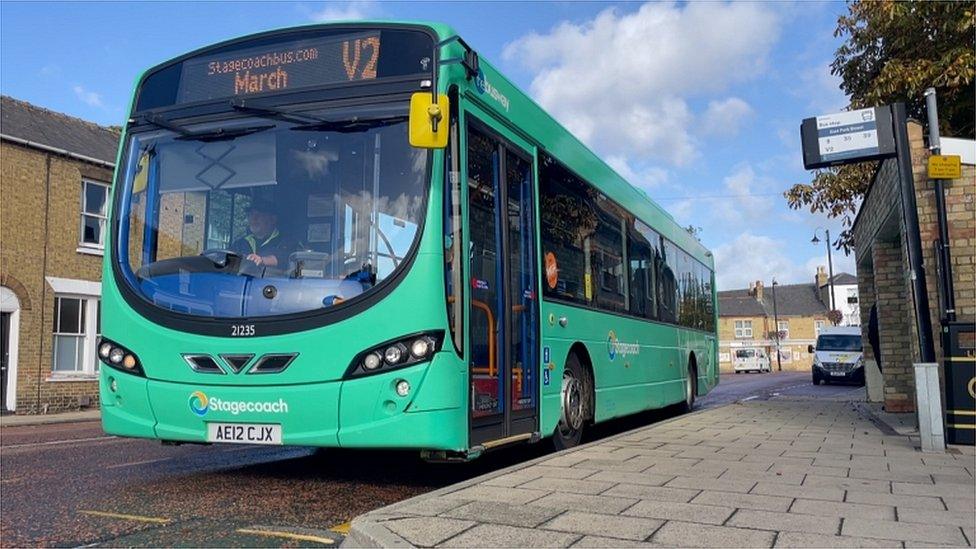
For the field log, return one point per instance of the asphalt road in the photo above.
(70, 484)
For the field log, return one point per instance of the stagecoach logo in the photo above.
(616, 348)
(200, 404)
(484, 86)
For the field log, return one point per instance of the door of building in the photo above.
(5, 358)
(503, 309)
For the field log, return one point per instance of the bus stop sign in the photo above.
(847, 137)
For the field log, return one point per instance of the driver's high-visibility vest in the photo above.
(253, 242)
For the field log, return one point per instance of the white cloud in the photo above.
(645, 177)
(345, 11)
(750, 257)
(821, 90)
(89, 97)
(621, 81)
(724, 117)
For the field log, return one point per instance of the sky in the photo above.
(697, 103)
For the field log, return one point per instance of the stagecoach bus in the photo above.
(363, 235)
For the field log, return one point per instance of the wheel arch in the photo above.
(580, 350)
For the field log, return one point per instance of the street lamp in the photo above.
(779, 364)
(830, 262)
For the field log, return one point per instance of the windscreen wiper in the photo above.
(219, 134)
(351, 125)
(272, 112)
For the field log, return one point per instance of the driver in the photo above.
(263, 244)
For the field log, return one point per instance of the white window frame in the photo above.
(90, 247)
(819, 325)
(743, 329)
(91, 292)
(780, 328)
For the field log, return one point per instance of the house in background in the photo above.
(55, 174)
(845, 295)
(747, 318)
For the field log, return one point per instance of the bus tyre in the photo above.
(574, 399)
(691, 389)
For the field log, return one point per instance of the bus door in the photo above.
(503, 326)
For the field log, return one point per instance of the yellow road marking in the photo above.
(139, 518)
(342, 528)
(286, 535)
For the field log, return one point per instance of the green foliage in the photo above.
(892, 52)
(835, 317)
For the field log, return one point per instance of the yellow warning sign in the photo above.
(945, 167)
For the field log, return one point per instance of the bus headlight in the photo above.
(118, 357)
(115, 355)
(398, 353)
(372, 361)
(393, 354)
(420, 347)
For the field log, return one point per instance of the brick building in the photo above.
(55, 174)
(746, 319)
(882, 265)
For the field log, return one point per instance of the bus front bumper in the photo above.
(362, 413)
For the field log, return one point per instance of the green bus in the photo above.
(363, 235)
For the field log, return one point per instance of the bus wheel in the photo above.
(573, 398)
(691, 388)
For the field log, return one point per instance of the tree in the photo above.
(694, 231)
(892, 52)
(835, 317)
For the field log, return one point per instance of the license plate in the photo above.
(838, 374)
(244, 433)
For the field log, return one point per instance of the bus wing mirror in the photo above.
(810, 349)
(428, 121)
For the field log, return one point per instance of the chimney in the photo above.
(758, 290)
(822, 289)
(821, 278)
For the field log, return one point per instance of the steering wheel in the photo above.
(220, 256)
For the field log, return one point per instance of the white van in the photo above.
(750, 359)
(838, 355)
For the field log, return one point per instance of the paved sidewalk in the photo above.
(43, 419)
(754, 474)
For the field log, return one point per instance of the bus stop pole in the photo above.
(948, 312)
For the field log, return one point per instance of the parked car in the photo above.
(838, 355)
(751, 360)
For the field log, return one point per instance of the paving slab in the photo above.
(744, 501)
(600, 541)
(427, 531)
(839, 509)
(496, 535)
(755, 474)
(903, 531)
(784, 522)
(702, 514)
(800, 539)
(494, 512)
(637, 529)
(689, 534)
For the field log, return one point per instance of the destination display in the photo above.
(293, 61)
(281, 67)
